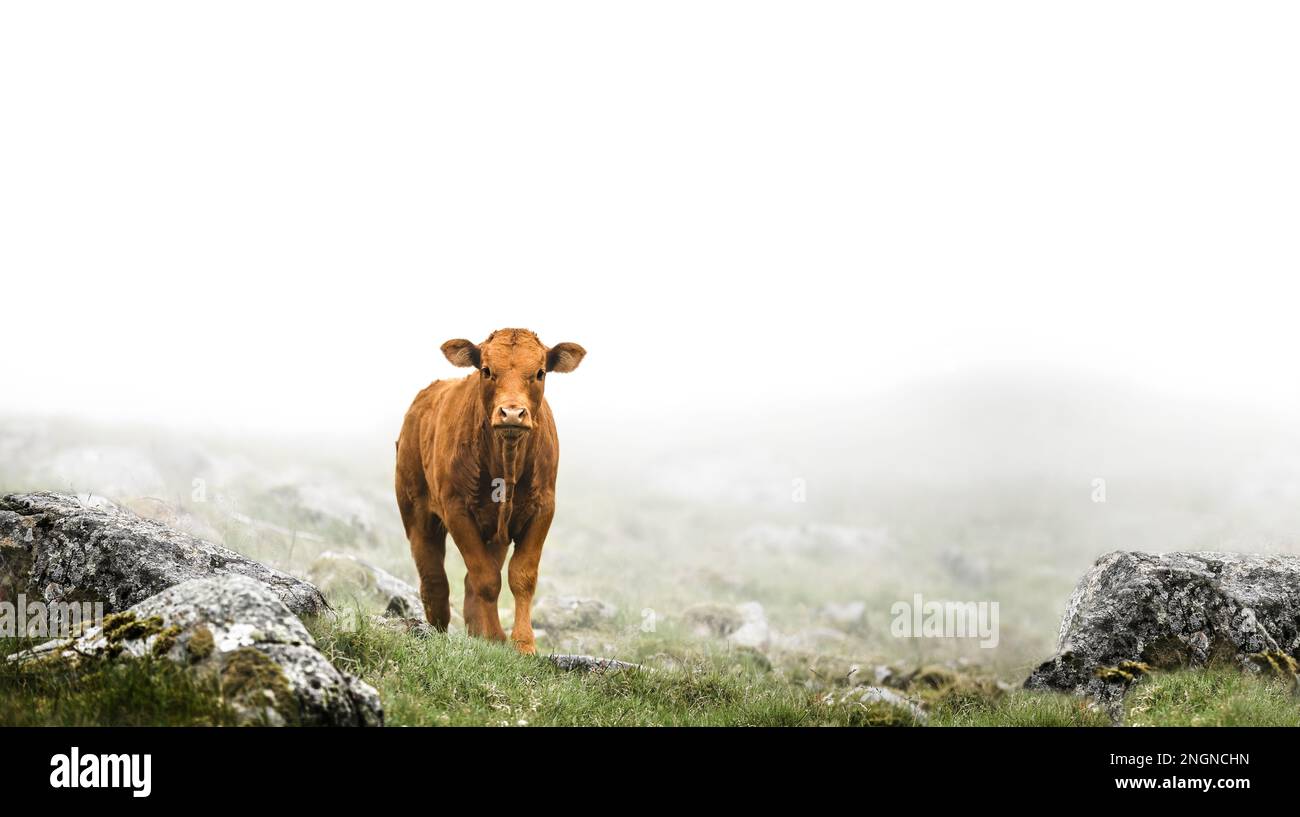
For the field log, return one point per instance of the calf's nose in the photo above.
(513, 415)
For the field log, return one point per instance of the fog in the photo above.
(272, 218)
(942, 267)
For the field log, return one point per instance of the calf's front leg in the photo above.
(482, 577)
(523, 577)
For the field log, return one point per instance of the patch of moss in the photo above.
(125, 626)
(165, 641)
(1125, 672)
(933, 677)
(201, 644)
(250, 678)
(968, 690)
(1275, 662)
(113, 621)
(935, 684)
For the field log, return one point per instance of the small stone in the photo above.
(559, 613)
(590, 663)
(741, 625)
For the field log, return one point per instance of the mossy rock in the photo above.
(235, 634)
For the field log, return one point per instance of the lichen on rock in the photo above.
(1132, 613)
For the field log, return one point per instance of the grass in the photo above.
(456, 680)
(103, 693)
(1214, 697)
(1018, 708)
(453, 680)
(1200, 697)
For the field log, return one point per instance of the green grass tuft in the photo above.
(145, 692)
(1017, 708)
(1212, 697)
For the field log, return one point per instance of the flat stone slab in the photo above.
(590, 663)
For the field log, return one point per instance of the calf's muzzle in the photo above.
(512, 418)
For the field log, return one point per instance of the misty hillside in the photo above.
(980, 489)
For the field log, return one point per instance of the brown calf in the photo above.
(477, 458)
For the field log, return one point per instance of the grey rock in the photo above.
(1172, 610)
(401, 607)
(59, 549)
(236, 629)
(845, 613)
(346, 574)
(753, 631)
(590, 663)
(559, 613)
(333, 570)
(741, 625)
(712, 620)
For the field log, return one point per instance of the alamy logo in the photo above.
(40, 620)
(946, 619)
(90, 771)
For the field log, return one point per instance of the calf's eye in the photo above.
(541, 373)
(487, 372)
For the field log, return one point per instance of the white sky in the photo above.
(271, 214)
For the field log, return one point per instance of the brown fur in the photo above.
(472, 464)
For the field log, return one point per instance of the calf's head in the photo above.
(512, 368)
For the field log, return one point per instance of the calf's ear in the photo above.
(462, 353)
(564, 357)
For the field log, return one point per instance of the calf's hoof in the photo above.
(526, 647)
